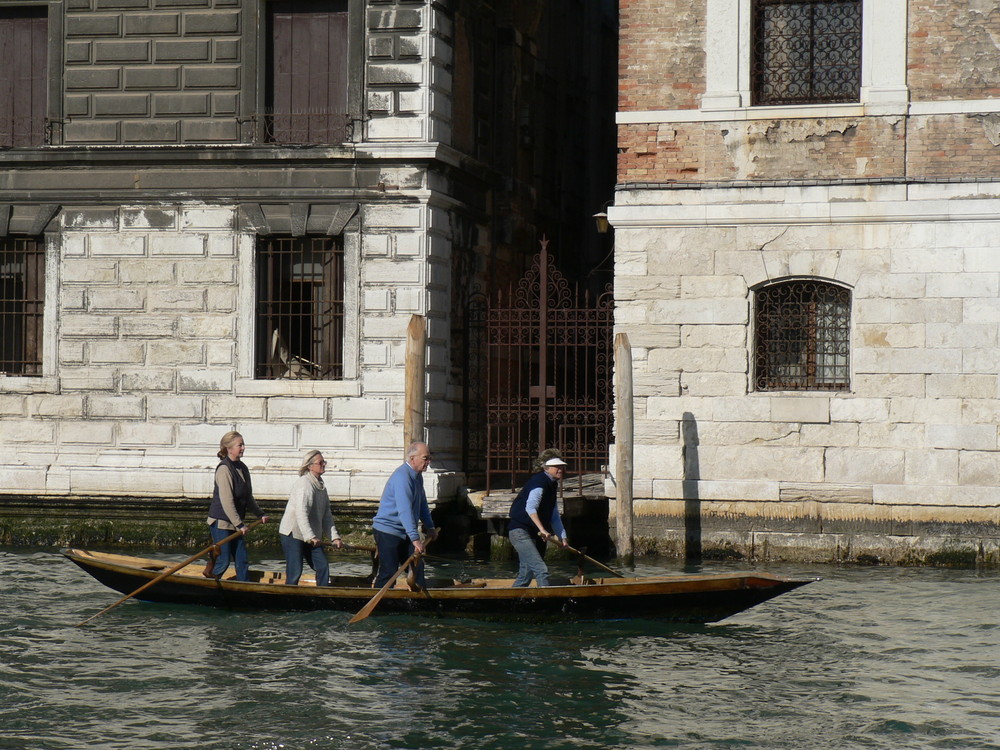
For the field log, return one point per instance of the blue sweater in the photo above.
(403, 504)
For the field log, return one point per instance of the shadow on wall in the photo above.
(689, 488)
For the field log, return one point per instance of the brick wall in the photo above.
(954, 145)
(953, 50)
(661, 54)
(952, 55)
(761, 150)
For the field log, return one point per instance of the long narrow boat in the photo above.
(675, 598)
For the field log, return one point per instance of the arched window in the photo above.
(802, 336)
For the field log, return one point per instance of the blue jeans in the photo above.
(529, 557)
(235, 550)
(296, 552)
(393, 552)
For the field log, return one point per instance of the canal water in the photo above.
(864, 658)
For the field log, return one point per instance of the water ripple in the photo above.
(866, 658)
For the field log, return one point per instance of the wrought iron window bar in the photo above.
(802, 337)
(300, 308)
(22, 304)
(806, 51)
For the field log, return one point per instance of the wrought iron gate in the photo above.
(549, 370)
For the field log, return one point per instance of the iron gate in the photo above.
(549, 371)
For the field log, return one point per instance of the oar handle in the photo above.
(350, 547)
(174, 569)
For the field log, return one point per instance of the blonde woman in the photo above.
(231, 499)
(306, 520)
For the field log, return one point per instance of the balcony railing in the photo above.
(303, 127)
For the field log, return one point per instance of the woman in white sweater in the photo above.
(306, 520)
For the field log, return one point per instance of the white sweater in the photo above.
(307, 513)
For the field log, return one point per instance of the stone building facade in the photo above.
(222, 214)
(807, 267)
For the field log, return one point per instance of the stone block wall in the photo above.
(170, 72)
(910, 450)
(408, 71)
(150, 285)
(154, 359)
(893, 197)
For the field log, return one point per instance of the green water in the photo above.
(866, 658)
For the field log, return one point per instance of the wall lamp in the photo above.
(601, 218)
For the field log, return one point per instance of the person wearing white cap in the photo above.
(534, 519)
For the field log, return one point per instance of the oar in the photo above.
(173, 570)
(350, 547)
(589, 559)
(360, 548)
(370, 606)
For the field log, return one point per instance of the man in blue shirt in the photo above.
(402, 507)
(534, 519)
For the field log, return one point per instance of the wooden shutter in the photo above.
(307, 86)
(23, 76)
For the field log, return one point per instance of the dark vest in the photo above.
(519, 518)
(242, 491)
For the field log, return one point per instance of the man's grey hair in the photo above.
(414, 448)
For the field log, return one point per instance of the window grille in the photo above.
(22, 302)
(802, 337)
(300, 308)
(806, 51)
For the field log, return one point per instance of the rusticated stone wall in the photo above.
(900, 468)
(169, 72)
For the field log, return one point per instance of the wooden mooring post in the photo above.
(624, 430)
(416, 348)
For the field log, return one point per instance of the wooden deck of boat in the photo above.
(679, 581)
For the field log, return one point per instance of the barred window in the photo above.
(22, 301)
(802, 337)
(806, 51)
(300, 308)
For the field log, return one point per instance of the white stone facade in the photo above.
(149, 359)
(148, 346)
(914, 439)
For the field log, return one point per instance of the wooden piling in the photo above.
(624, 430)
(416, 348)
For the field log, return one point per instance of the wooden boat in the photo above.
(674, 598)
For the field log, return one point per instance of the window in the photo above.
(23, 76)
(802, 336)
(300, 308)
(307, 72)
(22, 302)
(806, 51)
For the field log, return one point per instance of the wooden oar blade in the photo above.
(169, 572)
(373, 602)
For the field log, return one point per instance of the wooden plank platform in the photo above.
(577, 490)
